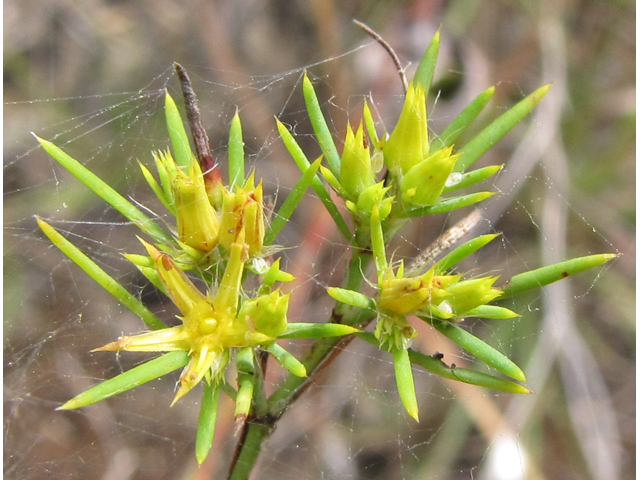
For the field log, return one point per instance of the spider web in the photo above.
(350, 424)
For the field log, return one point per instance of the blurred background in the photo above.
(91, 76)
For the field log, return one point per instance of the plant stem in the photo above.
(317, 357)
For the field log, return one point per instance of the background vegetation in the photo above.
(568, 190)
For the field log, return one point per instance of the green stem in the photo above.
(249, 449)
(259, 428)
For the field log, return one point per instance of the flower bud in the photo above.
(469, 294)
(422, 185)
(355, 167)
(243, 210)
(266, 314)
(408, 144)
(403, 295)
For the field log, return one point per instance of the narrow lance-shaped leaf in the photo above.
(353, 298)
(426, 67)
(105, 191)
(482, 142)
(303, 164)
(463, 120)
(320, 127)
(404, 381)
(480, 349)
(130, 379)
(177, 134)
(480, 379)
(544, 276)
(450, 204)
(290, 204)
(207, 420)
(317, 330)
(463, 251)
(470, 178)
(236, 152)
(148, 176)
(287, 360)
(100, 276)
(377, 244)
(491, 311)
(436, 366)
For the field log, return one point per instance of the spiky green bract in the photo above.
(105, 191)
(130, 379)
(100, 276)
(544, 276)
(207, 420)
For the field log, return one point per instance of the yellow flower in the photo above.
(210, 325)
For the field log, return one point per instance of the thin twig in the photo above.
(446, 240)
(376, 36)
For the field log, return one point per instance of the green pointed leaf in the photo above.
(320, 127)
(463, 251)
(491, 311)
(287, 360)
(317, 185)
(436, 366)
(177, 133)
(100, 276)
(404, 381)
(148, 176)
(290, 204)
(104, 191)
(449, 204)
(426, 67)
(471, 178)
(130, 379)
(353, 298)
(544, 276)
(477, 347)
(488, 137)
(317, 330)
(207, 420)
(463, 120)
(236, 152)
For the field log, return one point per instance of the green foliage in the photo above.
(220, 229)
